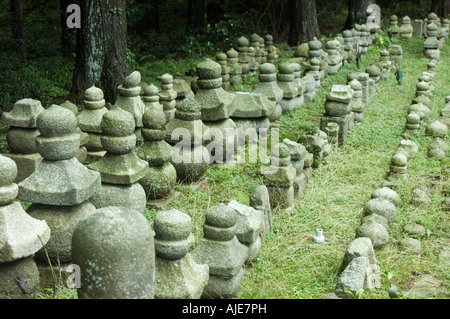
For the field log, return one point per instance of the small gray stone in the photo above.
(376, 232)
(410, 245)
(437, 129)
(415, 229)
(376, 218)
(352, 278)
(420, 197)
(360, 247)
(387, 193)
(381, 207)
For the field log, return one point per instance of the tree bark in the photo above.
(441, 8)
(303, 24)
(101, 54)
(18, 28)
(195, 22)
(357, 12)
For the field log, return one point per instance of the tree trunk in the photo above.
(18, 28)
(357, 12)
(195, 17)
(303, 24)
(441, 8)
(101, 54)
(294, 17)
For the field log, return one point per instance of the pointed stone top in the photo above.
(189, 106)
(151, 90)
(433, 16)
(221, 56)
(315, 44)
(432, 27)
(254, 37)
(132, 80)
(243, 42)
(232, 53)
(93, 94)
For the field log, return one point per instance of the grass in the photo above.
(290, 265)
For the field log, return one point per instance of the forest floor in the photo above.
(290, 265)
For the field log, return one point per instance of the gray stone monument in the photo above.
(177, 274)
(21, 136)
(120, 168)
(161, 175)
(120, 260)
(89, 120)
(60, 187)
(222, 252)
(20, 237)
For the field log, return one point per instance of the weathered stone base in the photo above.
(222, 287)
(132, 196)
(180, 279)
(343, 123)
(25, 268)
(62, 221)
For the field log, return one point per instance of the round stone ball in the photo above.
(154, 119)
(209, 69)
(413, 118)
(381, 207)
(118, 122)
(56, 121)
(286, 68)
(166, 79)
(398, 159)
(132, 80)
(221, 216)
(172, 225)
(267, 68)
(8, 171)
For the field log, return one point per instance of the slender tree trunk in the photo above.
(101, 54)
(303, 24)
(357, 12)
(441, 8)
(18, 28)
(294, 17)
(195, 16)
(310, 27)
